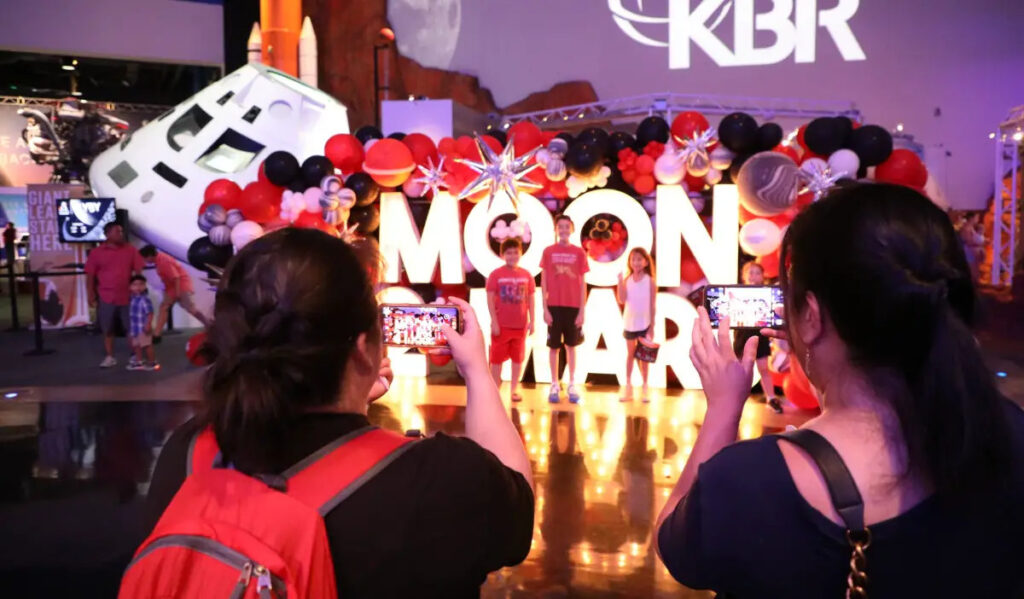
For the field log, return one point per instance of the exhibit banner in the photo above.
(63, 301)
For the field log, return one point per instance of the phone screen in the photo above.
(747, 306)
(417, 325)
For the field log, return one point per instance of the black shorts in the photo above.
(764, 344)
(563, 329)
(631, 335)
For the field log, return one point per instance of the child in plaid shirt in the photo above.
(140, 313)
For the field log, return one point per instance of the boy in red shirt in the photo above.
(510, 292)
(565, 294)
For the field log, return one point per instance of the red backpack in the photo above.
(229, 535)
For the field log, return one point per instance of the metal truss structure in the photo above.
(51, 102)
(1006, 197)
(668, 105)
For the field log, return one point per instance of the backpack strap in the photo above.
(334, 472)
(203, 453)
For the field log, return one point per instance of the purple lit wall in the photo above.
(947, 69)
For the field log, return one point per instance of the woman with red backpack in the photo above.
(280, 486)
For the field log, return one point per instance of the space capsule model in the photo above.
(160, 171)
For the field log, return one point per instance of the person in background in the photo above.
(510, 291)
(909, 408)
(753, 274)
(140, 313)
(177, 288)
(10, 242)
(297, 335)
(565, 295)
(109, 269)
(637, 292)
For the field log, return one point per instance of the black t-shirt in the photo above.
(433, 523)
(744, 530)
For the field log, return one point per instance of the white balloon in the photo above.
(556, 170)
(844, 162)
(244, 232)
(411, 188)
(346, 198)
(760, 237)
(669, 169)
(311, 197)
(714, 177)
(542, 157)
(721, 158)
(697, 166)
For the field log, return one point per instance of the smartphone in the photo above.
(418, 325)
(747, 306)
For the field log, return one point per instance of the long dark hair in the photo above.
(887, 267)
(288, 311)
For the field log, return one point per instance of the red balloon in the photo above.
(694, 183)
(493, 142)
(539, 177)
(788, 151)
(770, 264)
(903, 167)
(547, 136)
(800, 137)
(558, 190)
(438, 359)
(644, 165)
(525, 136)
(345, 152)
(466, 147)
(260, 202)
(688, 124)
(690, 271)
(389, 162)
(805, 199)
(422, 148)
(746, 215)
(309, 220)
(629, 175)
(224, 192)
(192, 347)
(644, 184)
(447, 146)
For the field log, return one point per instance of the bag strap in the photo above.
(846, 499)
(336, 471)
(326, 477)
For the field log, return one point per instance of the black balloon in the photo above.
(737, 163)
(739, 133)
(366, 217)
(499, 135)
(315, 168)
(203, 254)
(769, 136)
(569, 139)
(368, 132)
(583, 159)
(653, 128)
(872, 144)
(825, 135)
(280, 167)
(594, 135)
(397, 135)
(845, 126)
(298, 184)
(618, 141)
(364, 186)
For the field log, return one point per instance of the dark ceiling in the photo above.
(101, 79)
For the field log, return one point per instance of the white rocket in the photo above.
(307, 54)
(255, 44)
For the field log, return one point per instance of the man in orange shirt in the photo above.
(177, 288)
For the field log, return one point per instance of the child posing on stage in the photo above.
(510, 291)
(637, 291)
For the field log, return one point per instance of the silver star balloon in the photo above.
(695, 148)
(819, 181)
(500, 172)
(433, 177)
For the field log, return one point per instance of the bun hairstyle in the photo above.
(887, 267)
(288, 311)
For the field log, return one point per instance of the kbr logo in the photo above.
(795, 32)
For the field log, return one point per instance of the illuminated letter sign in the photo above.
(718, 257)
(401, 241)
(695, 21)
(634, 218)
(478, 233)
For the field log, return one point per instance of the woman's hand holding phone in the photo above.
(726, 379)
(467, 348)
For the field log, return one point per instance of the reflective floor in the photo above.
(73, 476)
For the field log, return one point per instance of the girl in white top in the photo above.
(637, 291)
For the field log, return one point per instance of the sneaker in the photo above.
(574, 395)
(108, 362)
(135, 365)
(645, 396)
(151, 366)
(553, 394)
(774, 404)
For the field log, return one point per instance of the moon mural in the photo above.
(426, 31)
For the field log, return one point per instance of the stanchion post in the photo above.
(37, 316)
(13, 286)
